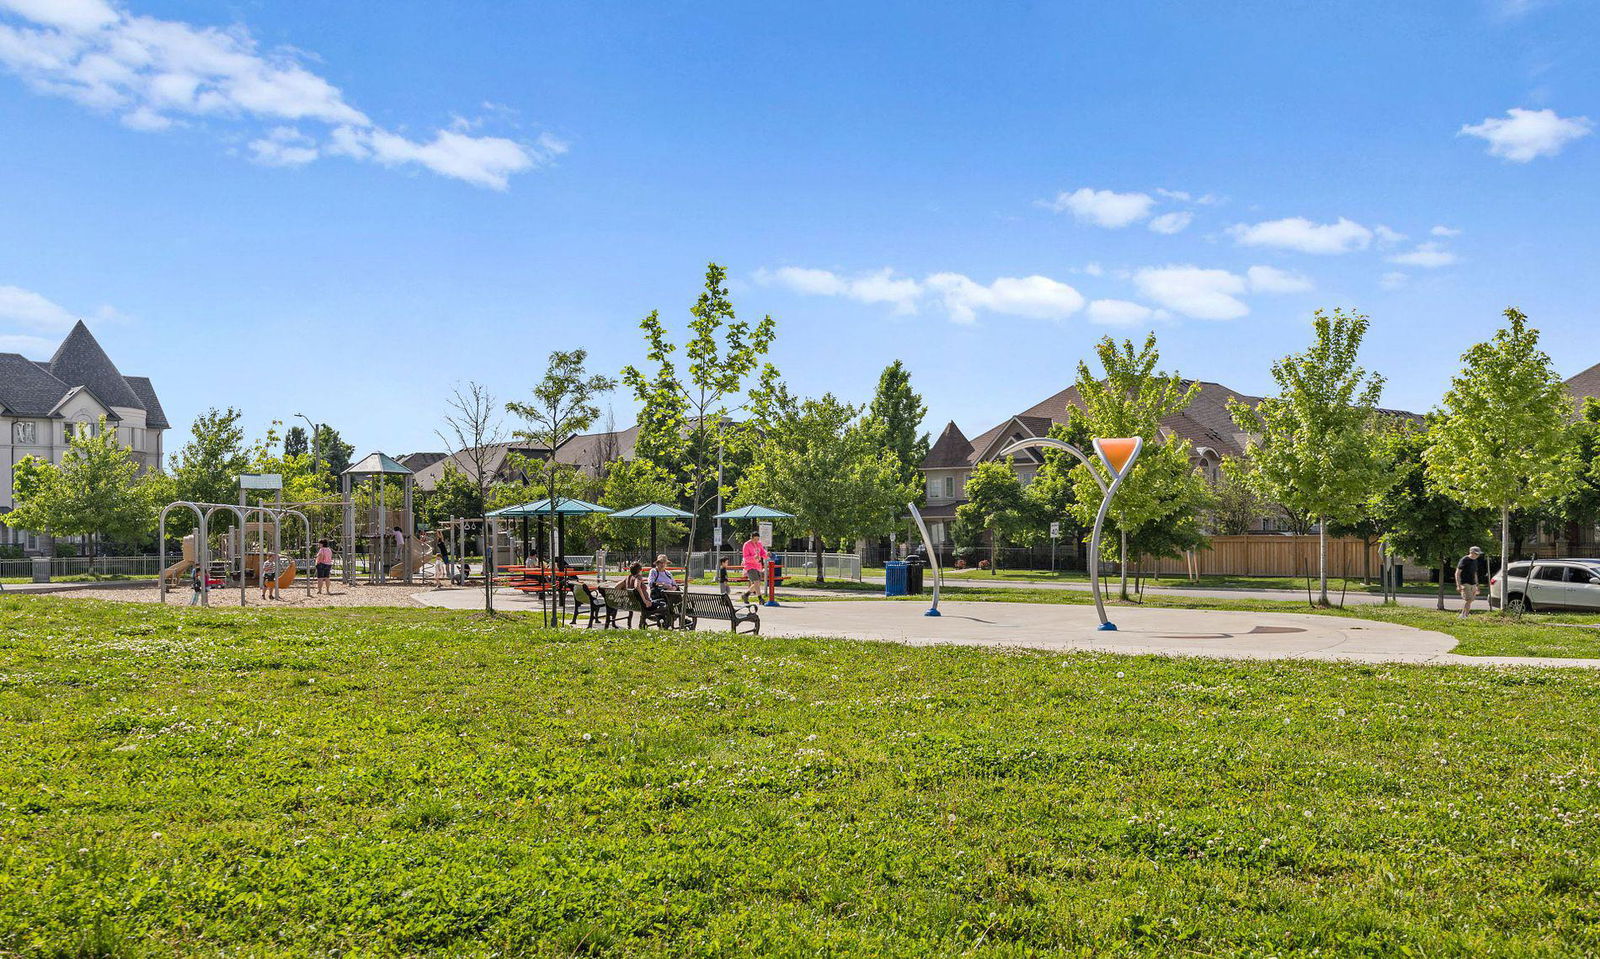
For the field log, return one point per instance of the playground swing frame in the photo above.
(203, 513)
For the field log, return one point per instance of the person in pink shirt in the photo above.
(755, 565)
(324, 563)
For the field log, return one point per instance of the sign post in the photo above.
(1055, 534)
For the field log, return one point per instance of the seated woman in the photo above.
(635, 583)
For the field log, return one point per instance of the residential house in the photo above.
(42, 404)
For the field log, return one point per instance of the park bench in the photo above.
(697, 606)
(621, 602)
(588, 599)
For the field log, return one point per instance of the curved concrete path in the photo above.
(1220, 634)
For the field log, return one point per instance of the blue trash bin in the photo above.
(894, 578)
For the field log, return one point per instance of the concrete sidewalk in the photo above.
(1351, 598)
(1220, 634)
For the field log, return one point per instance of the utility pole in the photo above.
(314, 439)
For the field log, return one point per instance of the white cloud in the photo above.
(1267, 279)
(1119, 312)
(1425, 255)
(154, 74)
(70, 14)
(1174, 222)
(284, 146)
(1393, 280)
(28, 309)
(1386, 236)
(1195, 292)
(1523, 135)
(1094, 269)
(1299, 233)
(882, 286)
(1104, 207)
(1035, 297)
(1444, 231)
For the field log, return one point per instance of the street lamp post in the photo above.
(313, 441)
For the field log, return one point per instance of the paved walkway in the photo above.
(1452, 601)
(1221, 634)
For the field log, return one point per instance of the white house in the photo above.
(43, 403)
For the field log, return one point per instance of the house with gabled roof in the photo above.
(43, 403)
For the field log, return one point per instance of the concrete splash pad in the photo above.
(1219, 634)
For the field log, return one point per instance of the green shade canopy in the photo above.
(754, 512)
(651, 511)
(564, 506)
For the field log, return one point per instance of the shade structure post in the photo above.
(652, 539)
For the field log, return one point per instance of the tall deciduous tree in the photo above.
(1158, 506)
(1316, 448)
(898, 410)
(473, 426)
(838, 475)
(1505, 441)
(207, 468)
(1416, 518)
(996, 504)
(96, 492)
(636, 482)
(685, 423)
(564, 405)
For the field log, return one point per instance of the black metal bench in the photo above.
(697, 606)
(587, 599)
(621, 602)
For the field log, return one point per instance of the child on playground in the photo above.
(269, 576)
(196, 584)
(441, 563)
(324, 563)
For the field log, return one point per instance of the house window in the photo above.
(949, 487)
(936, 533)
(23, 434)
(933, 489)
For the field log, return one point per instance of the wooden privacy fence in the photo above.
(1276, 556)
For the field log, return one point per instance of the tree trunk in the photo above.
(994, 552)
(1444, 564)
(1505, 557)
(1322, 560)
(818, 541)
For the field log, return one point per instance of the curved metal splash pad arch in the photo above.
(1117, 457)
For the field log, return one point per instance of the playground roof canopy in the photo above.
(374, 463)
(754, 512)
(651, 511)
(565, 506)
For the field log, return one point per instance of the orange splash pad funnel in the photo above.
(1118, 454)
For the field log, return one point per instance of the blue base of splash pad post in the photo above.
(932, 612)
(1107, 627)
(770, 602)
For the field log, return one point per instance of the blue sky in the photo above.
(344, 209)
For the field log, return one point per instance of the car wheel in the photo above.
(1520, 604)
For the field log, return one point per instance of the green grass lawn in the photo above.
(407, 782)
(1565, 635)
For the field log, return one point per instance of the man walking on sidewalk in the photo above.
(1471, 573)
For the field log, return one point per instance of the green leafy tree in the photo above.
(898, 411)
(331, 451)
(634, 483)
(1159, 505)
(1236, 505)
(1417, 519)
(295, 442)
(454, 495)
(1316, 448)
(996, 504)
(686, 423)
(838, 475)
(1505, 441)
(564, 405)
(96, 492)
(1579, 507)
(207, 468)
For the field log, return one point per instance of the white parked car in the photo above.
(1549, 584)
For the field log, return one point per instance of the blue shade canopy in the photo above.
(564, 506)
(754, 512)
(651, 511)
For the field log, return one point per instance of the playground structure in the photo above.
(234, 562)
(386, 562)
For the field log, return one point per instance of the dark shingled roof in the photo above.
(950, 449)
(81, 362)
(1585, 384)
(155, 417)
(26, 389)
